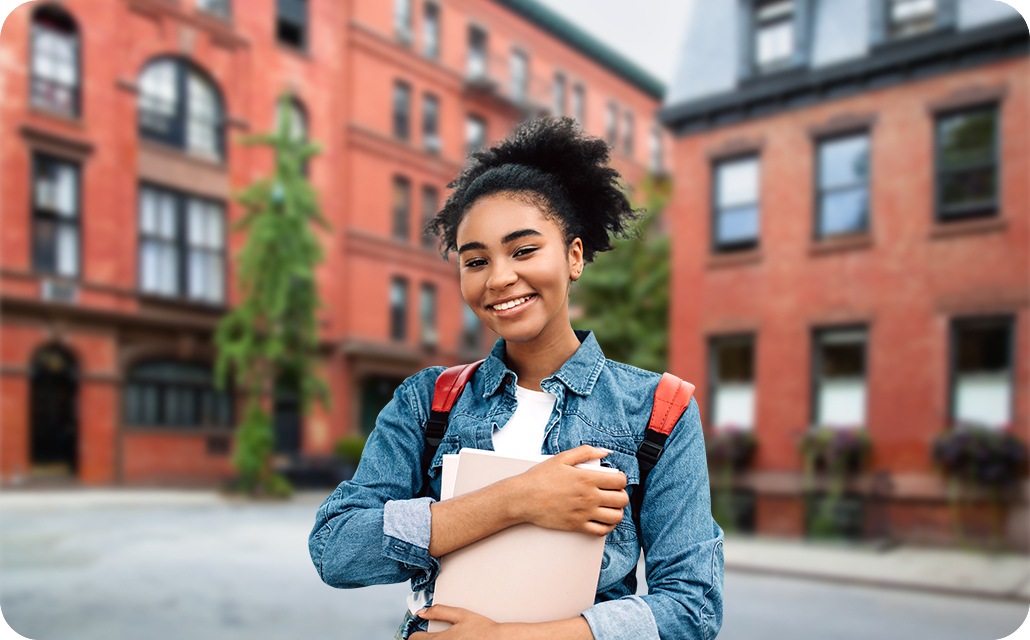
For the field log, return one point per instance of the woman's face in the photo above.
(515, 268)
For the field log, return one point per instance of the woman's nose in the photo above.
(501, 276)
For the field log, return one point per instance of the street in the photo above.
(206, 568)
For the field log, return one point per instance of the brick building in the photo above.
(851, 225)
(121, 123)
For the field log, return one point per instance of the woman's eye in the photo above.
(525, 251)
(475, 263)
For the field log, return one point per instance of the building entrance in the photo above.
(54, 412)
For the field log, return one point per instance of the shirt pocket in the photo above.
(621, 553)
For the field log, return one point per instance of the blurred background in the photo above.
(835, 253)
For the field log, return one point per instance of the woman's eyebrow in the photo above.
(514, 235)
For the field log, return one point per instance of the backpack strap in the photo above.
(448, 389)
(671, 398)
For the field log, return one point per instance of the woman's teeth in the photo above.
(511, 303)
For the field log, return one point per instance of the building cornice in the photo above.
(886, 66)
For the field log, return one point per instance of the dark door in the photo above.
(54, 410)
(287, 417)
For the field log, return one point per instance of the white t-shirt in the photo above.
(522, 435)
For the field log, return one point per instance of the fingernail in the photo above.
(606, 451)
(420, 612)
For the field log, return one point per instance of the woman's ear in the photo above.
(575, 259)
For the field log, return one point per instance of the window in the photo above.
(477, 67)
(427, 313)
(291, 23)
(627, 133)
(843, 183)
(475, 134)
(471, 329)
(220, 8)
(55, 216)
(611, 124)
(182, 245)
(736, 204)
(657, 164)
(179, 106)
(774, 33)
(401, 208)
(431, 123)
(840, 369)
(402, 20)
(401, 110)
(431, 31)
(733, 382)
(911, 17)
(55, 61)
(559, 94)
(519, 76)
(175, 394)
(579, 103)
(967, 164)
(981, 380)
(293, 116)
(430, 202)
(398, 309)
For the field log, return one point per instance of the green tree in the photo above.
(624, 295)
(272, 334)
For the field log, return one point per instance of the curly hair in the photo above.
(551, 164)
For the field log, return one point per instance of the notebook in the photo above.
(523, 573)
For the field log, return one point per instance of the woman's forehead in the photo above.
(493, 217)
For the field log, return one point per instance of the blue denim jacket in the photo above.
(372, 530)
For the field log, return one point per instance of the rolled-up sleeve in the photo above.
(683, 548)
(371, 530)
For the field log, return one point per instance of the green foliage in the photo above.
(624, 294)
(836, 455)
(350, 448)
(273, 331)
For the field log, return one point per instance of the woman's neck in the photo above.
(532, 362)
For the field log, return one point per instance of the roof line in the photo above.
(574, 36)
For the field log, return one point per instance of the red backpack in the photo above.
(671, 398)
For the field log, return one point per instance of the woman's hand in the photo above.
(556, 495)
(464, 624)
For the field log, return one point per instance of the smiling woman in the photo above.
(523, 219)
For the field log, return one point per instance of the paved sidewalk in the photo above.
(1002, 576)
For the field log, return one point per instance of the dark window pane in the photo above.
(401, 110)
(967, 139)
(983, 348)
(44, 245)
(969, 188)
(842, 354)
(735, 362)
(150, 404)
(401, 208)
(398, 309)
(737, 225)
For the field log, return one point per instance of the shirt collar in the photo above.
(579, 373)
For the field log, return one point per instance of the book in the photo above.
(523, 573)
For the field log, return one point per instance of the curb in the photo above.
(1014, 595)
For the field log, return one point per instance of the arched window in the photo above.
(166, 393)
(55, 61)
(298, 119)
(180, 106)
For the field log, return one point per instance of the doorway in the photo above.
(53, 402)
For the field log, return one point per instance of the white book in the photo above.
(523, 573)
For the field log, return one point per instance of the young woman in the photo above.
(524, 217)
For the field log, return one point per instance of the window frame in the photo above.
(475, 54)
(401, 219)
(429, 194)
(222, 14)
(716, 342)
(818, 231)
(726, 248)
(401, 111)
(135, 380)
(39, 214)
(178, 135)
(611, 124)
(750, 70)
(628, 125)
(431, 25)
(559, 93)
(472, 117)
(656, 154)
(991, 210)
(404, 21)
(181, 244)
(955, 325)
(428, 303)
(816, 361)
(399, 314)
(579, 103)
(300, 22)
(431, 140)
(519, 87)
(75, 89)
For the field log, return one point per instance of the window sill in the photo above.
(67, 118)
(298, 51)
(734, 259)
(185, 304)
(836, 244)
(993, 224)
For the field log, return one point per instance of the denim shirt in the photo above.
(373, 530)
